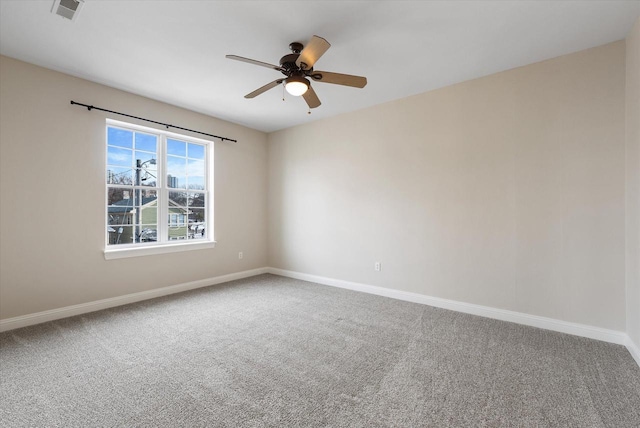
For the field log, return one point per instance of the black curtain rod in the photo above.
(152, 121)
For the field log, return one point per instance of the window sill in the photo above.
(121, 253)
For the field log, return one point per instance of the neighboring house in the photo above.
(122, 221)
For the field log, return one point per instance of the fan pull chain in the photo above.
(283, 92)
(309, 112)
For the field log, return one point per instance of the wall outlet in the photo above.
(240, 255)
(377, 267)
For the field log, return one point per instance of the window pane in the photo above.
(149, 233)
(118, 218)
(148, 209)
(148, 169)
(197, 223)
(119, 137)
(147, 159)
(148, 177)
(119, 157)
(120, 235)
(119, 175)
(196, 172)
(186, 199)
(177, 148)
(196, 167)
(197, 231)
(196, 215)
(176, 172)
(196, 151)
(177, 217)
(196, 200)
(177, 226)
(196, 183)
(120, 197)
(178, 198)
(146, 142)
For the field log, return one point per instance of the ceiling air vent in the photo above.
(67, 8)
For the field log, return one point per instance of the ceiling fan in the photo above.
(298, 66)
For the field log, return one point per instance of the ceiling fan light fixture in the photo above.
(297, 67)
(296, 85)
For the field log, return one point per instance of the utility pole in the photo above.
(137, 200)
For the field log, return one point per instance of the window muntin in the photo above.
(157, 187)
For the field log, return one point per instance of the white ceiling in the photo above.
(174, 51)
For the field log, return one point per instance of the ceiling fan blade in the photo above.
(339, 79)
(316, 47)
(311, 98)
(264, 88)
(253, 61)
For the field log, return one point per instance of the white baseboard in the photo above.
(612, 336)
(83, 308)
(634, 350)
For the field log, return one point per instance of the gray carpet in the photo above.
(275, 352)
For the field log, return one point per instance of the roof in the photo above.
(126, 205)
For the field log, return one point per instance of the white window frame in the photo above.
(162, 246)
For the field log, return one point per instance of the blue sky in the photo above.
(184, 160)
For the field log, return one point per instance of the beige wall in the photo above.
(633, 183)
(52, 159)
(505, 191)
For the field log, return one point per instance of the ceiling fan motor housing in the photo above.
(289, 66)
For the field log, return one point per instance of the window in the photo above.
(177, 220)
(158, 190)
